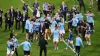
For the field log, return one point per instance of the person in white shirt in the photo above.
(37, 13)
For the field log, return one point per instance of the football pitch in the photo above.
(93, 50)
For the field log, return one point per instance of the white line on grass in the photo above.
(28, 6)
(70, 47)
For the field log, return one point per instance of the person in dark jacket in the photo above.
(41, 30)
(37, 13)
(7, 20)
(47, 30)
(35, 5)
(49, 9)
(18, 18)
(43, 47)
(12, 15)
(1, 17)
(24, 17)
(25, 7)
(64, 9)
(98, 5)
(81, 4)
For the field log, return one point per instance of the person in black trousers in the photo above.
(70, 16)
(41, 30)
(42, 44)
(12, 15)
(25, 7)
(98, 5)
(18, 18)
(78, 45)
(36, 11)
(64, 9)
(24, 17)
(7, 20)
(1, 17)
(81, 4)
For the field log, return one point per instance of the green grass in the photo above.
(92, 50)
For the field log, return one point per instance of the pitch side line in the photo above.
(28, 6)
(70, 47)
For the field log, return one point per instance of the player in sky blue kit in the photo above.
(53, 23)
(36, 29)
(30, 38)
(62, 30)
(74, 23)
(57, 18)
(15, 42)
(78, 45)
(27, 27)
(90, 19)
(56, 37)
(26, 47)
(79, 16)
(10, 47)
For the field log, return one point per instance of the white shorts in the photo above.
(8, 52)
(56, 40)
(52, 30)
(70, 41)
(62, 31)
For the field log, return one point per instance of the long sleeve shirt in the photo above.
(26, 46)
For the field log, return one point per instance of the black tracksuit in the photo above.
(42, 44)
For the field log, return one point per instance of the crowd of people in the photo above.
(42, 26)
